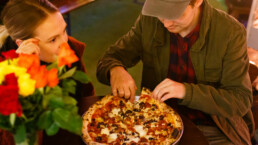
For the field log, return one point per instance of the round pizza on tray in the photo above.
(114, 120)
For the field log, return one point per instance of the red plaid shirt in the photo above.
(181, 67)
(181, 70)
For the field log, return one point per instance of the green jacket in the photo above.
(219, 58)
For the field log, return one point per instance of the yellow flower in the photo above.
(3, 65)
(26, 85)
(14, 61)
(10, 67)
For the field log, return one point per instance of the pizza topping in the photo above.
(136, 110)
(161, 117)
(142, 105)
(154, 106)
(105, 131)
(114, 112)
(141, 117)
(133, 139)
(121, 104)
(99, 119)
(175, 133)
(98, 138)
(140, 130)
(112, 137)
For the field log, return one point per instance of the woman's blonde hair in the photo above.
(21, 17)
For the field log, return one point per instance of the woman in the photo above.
(37, 26)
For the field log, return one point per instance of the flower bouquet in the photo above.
(36, 97)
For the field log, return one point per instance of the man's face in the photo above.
(183, 23)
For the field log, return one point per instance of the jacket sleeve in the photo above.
(125, 52)
(233, 96)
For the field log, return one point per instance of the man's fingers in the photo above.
(133, 90)
(127, 93)
(158, 91)
(165, 97)
(157, 88)
(114, 91)
(121, 92)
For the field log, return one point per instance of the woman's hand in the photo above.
(122, 83)
(29, 46)
(168, 89)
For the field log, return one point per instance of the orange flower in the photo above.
(66, 55)
(52, 77)
(28, 60)
(40, 76)
(32, 63)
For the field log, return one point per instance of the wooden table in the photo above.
(191, 135)
(66, 6)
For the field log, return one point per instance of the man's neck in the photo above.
(192, 24)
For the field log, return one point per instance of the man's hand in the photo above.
(168, 89)
(255, 83)
(122, 83)
(29, 46)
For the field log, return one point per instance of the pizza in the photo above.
(114, 120)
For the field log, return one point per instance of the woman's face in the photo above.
(51, 33)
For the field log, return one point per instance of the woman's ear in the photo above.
(18, 42)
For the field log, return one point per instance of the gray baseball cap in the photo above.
(166, 9)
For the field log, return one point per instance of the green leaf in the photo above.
(45, 120)
(72, 108)
(54, 92)
(68, 120)
(53, 129)
(12, 119)
(68, 74)
(69, 100)
(52, 65)
(20, 134)
(76, 125)
(56, 102)
(5, 123)
(69, 86)
(61, 116)
(81, 77)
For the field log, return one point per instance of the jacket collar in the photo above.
(205, 26)
(160, 33)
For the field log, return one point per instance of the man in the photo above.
(195, 54)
